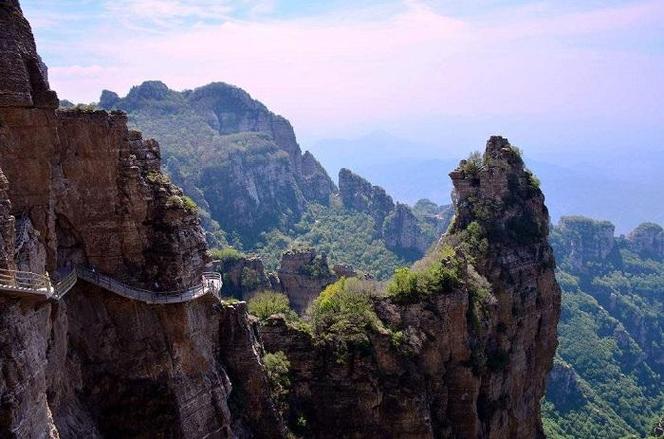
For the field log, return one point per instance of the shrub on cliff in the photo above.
(182, 202)
(226, 255)
(343, 315)
(268, 303)
(438, 273)
(277, 368)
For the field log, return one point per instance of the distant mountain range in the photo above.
(626, 189)
(256, 190)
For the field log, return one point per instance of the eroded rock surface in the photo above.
(303, 274)
(87, 190)
(466, 365)
(648, 240)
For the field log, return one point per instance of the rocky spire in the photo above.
(24, 79)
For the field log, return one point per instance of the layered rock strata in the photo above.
(470, 361)
(79, 188)
(303, 274)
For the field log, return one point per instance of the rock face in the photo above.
(303, 274)
(86, 190)
(243, 277)
(587, 240)
(7, 230)
(471, 365)
(648, 240)
(396, 224)
(402, 232)
(358, 194)
(238, 160)
(24, 79)
(317, 185)
(564, 388)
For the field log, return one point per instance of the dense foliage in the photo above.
(440, 274)
(345, 236)
(277, 368)
(343, 315)
(268, 303)
(246, 187)
(611, 335)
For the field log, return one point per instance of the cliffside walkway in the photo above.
(30, 284)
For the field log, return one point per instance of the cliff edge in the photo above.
(459, 346)
(78, 187)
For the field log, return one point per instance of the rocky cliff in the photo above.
(238, 160)
(462, 349)
(587, 241)
(610, 330)
(395, 223)
(303, 274)
(648, 241)
(80, 188)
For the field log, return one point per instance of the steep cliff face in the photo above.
(86, 190)
(244, 276)
(587, 241)
(7, 226)
(611, 330)
(303, 274)
(357, 193)
(25, 82)
(240, 161)
(648, 240)
(465, 359)
(403, 233)
(395, 223)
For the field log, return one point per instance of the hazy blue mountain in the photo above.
(626, 187)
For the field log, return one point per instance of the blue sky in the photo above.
(554, 76)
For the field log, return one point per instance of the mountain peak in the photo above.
(149, 90)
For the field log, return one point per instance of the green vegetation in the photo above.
(189, 204)
(158, 178)
(226, 255)
(441, 274)
(85, 108)
(181, 202)
(345, 236)
(611, 334)
(268, 303)
(473, 164)
(533, 181)
(343, 315)
(277, 367)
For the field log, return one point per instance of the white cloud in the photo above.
(329, 73)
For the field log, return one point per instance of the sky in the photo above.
(557, 77)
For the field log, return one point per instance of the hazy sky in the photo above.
(554, 76)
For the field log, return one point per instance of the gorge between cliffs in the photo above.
(458, 346)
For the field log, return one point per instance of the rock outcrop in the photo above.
(24, 78)
(244, 276)
(86, 190)
(358, 194)
(466, 361)
(240, 161)
(648, 240)
(587, 240)
(303, 274)
(564, 388)
(396, 223)
(403, 234)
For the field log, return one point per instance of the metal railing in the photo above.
(26, 282)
